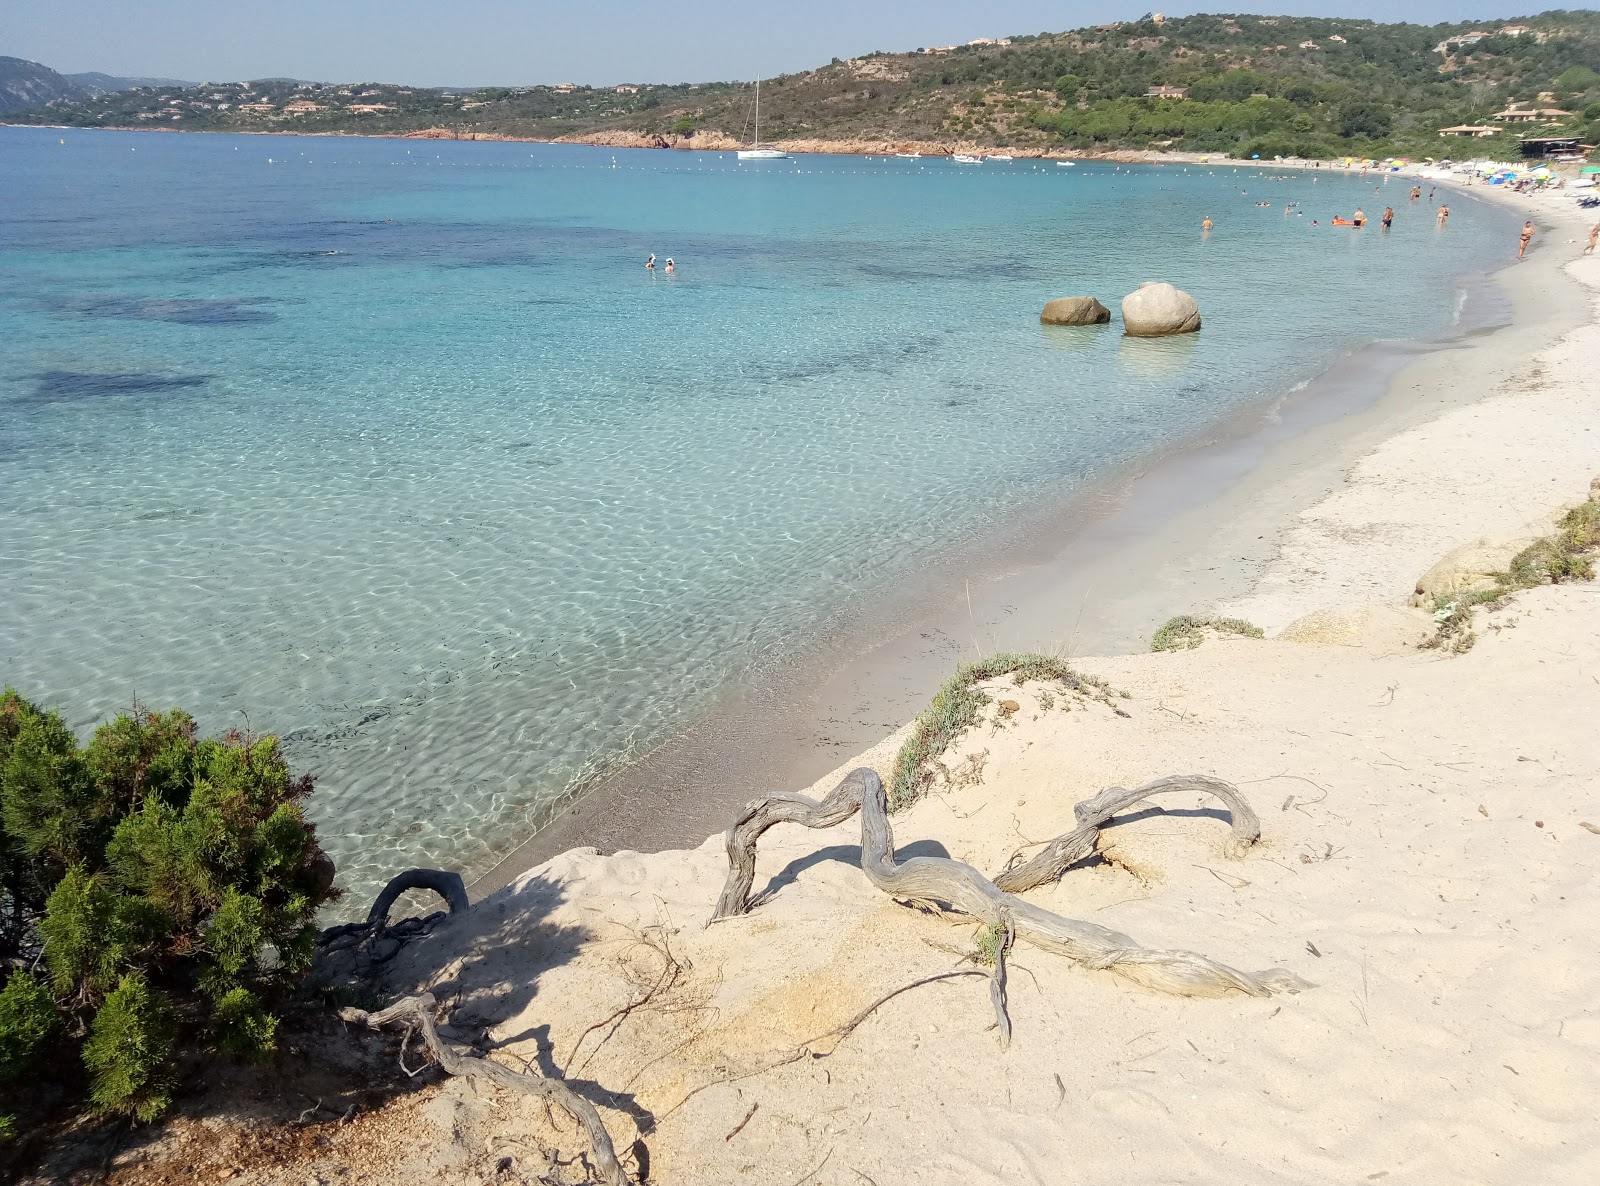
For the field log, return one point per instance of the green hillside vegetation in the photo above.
(1269, 85)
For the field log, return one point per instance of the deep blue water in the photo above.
(395, 448)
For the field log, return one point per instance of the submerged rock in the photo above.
(1155, 308)
(1078, 310)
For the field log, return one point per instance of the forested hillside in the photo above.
(1241, 84)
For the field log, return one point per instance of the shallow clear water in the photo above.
(396, 450)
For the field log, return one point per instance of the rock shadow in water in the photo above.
(182, 311)
(51, 387)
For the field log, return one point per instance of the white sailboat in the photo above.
(755, 152)
(962, 158)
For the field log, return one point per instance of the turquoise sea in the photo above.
(395, 449)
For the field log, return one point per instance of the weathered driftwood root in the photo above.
(965, 890)
(448, 886)
(1092, 814)
(417, 1012)
(351, 953)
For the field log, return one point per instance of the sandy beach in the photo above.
(1430, 825)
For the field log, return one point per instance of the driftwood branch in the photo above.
(1093, 814)
(448, 886)
(967, 891)
(417, 1012)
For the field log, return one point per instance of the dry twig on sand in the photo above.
(417, 1013)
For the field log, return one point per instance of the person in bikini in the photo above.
(1527, 237)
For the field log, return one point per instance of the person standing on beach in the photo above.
(1388, 217)
(1443, 216)
(1594, 236)
(1527, 237)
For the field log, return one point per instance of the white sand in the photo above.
(1422, 863)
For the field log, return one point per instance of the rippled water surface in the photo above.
(397, 449)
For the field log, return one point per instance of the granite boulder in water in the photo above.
(1075, 311)
(1154, 309)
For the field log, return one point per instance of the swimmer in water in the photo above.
(1388, 217)
(671, 267)
(650, 264)
(1206, 224)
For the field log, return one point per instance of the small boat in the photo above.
(1066, 164)
(962, 158)
(755, 152)
(909, 156)
(1000, 156)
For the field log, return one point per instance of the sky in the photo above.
(514, 42)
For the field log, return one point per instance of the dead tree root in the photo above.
(1093, 814)
(969, 892)
(417, 1013)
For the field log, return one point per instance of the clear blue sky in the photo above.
(479, 42)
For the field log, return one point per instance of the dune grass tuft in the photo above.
(1185, 632)
(955, 709)
(1553, 560)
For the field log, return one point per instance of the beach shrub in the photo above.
(164, 884)
(27, 1023)
(1185, 632)
(955, 709)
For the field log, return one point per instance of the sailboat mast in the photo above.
(758, 113)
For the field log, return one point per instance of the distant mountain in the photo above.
(25, 84)
(96, 82)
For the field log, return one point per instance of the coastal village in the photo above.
(1299, 890)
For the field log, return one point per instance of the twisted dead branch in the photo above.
(964, 890)
(1093, 814)
(448, 886)
(417, 1013)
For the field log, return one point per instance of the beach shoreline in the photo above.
(651, 142)
(1091, 572)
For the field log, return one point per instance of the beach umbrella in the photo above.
(1590, 169)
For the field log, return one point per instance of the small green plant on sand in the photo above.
(955, 709)
(992, 941)
(1186, 632)
(1553, 560)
